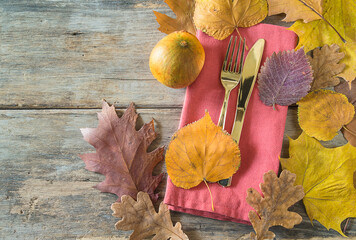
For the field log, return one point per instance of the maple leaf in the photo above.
(219, 18)
(307, 10)
(121, 153)
(338, 27)
(201, 152)
(322, 113)
(325, 65)
(285, 78)
(349, 130)
(141, 217)
(184, 10)
(326, 175)
(272, 209)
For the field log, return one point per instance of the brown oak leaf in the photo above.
(141, 217)
(272, 209)
(325, 65)
(121, 153)
(184, 10)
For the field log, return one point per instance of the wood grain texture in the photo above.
(47, 194)
(58, 59)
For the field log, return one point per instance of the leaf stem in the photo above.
(211, 196)
(322, 17)
(349, 131)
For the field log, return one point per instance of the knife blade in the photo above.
(249, 75)
(248, 79)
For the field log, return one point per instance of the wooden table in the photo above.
(59, 59)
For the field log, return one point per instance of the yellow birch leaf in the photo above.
(219, 18)
(322, 113)
(184, 10)
(341, 15)
(307, 10)
(327, 176)
(199, 152)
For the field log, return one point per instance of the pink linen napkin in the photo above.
(262, 133)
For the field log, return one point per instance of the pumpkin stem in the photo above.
(183, 43)
(211, 196)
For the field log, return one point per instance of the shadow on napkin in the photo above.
(261, 137)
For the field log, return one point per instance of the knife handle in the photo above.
(239, 120)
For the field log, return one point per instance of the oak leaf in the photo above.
(141, 217)
(219, 18)
(325, 65)
(349, 130)
(326, 175)
(284, 78)
(201, 152)
(184, 10)
(307, 10)
(322, 113)
(337, 27)
(121, 153)
(272, 209)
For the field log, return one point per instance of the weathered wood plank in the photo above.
(67, 54)
(47, 194)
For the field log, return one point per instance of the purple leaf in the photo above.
(344, 88)
(285, 78)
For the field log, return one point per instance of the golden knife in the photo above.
(248, 79)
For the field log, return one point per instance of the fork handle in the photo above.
(222, 117)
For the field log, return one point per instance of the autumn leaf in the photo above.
(326, 175)
(272, 209)
(322, 113)
(340, 16)
(219, 18)
(141, 217)
(285, 78)
(121, 153)
(307, 10)
(325, 65)
(184, 10)
(349, 130)
(201, 152)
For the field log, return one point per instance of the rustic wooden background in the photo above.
(59, 59)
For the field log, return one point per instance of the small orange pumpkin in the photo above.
(177, 59)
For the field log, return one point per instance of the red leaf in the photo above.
(121, 153)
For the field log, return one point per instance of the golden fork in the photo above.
(230, 75)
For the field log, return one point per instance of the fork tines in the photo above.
(227, 65)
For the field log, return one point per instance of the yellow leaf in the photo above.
(306, 10)
(184, 10)
(201, 151)
(341, 14)
(322, 113)
(326, 175)
(219, 18)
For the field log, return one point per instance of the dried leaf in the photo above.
(327, 178)
(219, 18)
(343, 88)
(121, 153)
(349, 130)
(285, 78)
(341, 15)
(184, 10)
(199, 152)
(142, 218)
(325, 65)
(322, 113)
(272, 209)
(307, 10)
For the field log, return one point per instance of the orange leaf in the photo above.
(201, 152)
(322, 113)
(184, 10)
